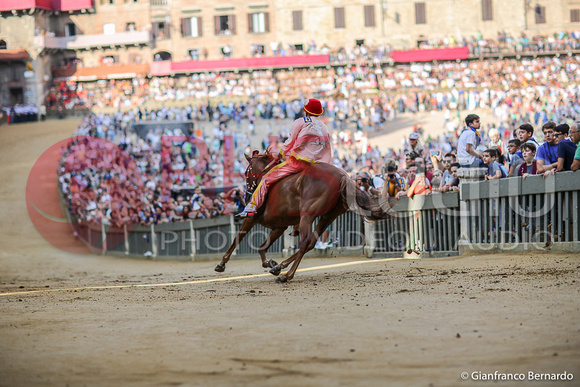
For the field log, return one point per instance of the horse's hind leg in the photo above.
(246, 227)
(274, 235)
(307, 237)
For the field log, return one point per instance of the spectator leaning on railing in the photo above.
(493, 168)
(529, 166)
(547, 154)
(575, 137)
(566, 148)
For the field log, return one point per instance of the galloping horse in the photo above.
(321, 190)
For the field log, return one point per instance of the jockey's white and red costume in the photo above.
(309, 143)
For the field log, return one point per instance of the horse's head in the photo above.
(258, 166)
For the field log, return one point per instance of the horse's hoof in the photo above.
(272, 263)
(276, 270)
(220, 268)
(281, 279)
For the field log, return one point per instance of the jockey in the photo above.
(309, 143)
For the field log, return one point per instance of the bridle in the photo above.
(257, 176)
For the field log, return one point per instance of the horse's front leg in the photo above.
(247, 225)
(274, 235)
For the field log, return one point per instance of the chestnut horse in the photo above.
(320, 190)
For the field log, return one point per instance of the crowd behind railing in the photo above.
(111, 175)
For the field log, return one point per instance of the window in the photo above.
(109, 59)
(135, 58)
(3, 45)
(420, 13)
(258, 22)
(161, 30)
(193, 54)
(191, 27)
(369, 15)
(106, 2)
(70, 29)
(575, 15)
(339, 17)
(162, 56)
(299, 47)
(486, 10)
(225, 25)
(359, 42)
(257, 49)
(109, 29)
(540, 14)
(130, 27)
(297, 20)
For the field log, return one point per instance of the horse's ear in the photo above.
(247, 157)
(255, 153)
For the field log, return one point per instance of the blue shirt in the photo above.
(548, 153)
(566, 150)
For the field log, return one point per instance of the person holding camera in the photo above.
(393, 184)
(365, 183)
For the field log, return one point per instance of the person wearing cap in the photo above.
(309, 143)
(415, 147)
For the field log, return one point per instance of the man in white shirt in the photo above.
(469, 140)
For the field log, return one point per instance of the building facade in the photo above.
(90, 33)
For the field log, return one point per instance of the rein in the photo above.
(259, 175)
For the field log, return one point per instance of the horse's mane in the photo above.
(268, 154)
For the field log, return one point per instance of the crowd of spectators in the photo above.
(111, 175)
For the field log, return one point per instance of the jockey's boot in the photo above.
(248, 212)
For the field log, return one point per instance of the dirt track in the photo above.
(375, 323)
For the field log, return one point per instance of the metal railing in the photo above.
(513, 212)
(508, 214)
(424, 223)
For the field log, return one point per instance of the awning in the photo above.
(163, 68)
(430, 55)
(13, 55)
(101, 72)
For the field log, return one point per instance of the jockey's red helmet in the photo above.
(313, 107)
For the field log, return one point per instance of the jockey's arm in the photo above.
(294, 131)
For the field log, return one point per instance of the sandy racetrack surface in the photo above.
(374, 322)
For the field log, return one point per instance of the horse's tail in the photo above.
(360, 201)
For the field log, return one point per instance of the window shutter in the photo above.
(156, 29)
(217, 25)
(297, 20)
(185, 26)
(540, 14)
(167, 30)
(232, 22)
(339, 18)
(250, 23)
(486, 10)
(575, 15)
(199, 29)
(369, 15)
(420, 13)
(267, 21)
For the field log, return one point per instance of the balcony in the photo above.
(72, 5)
(161, 3)
(50, 5)
(87, 42)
